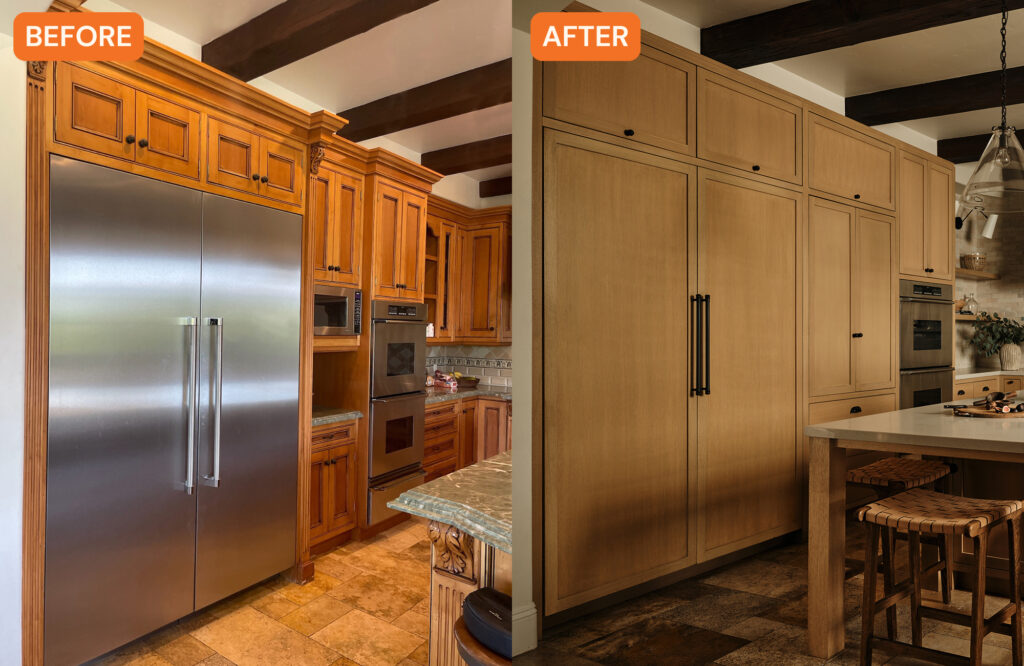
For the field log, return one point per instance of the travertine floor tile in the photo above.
(185, 651)
(414, 623)
(274, 605)
(368, 640)
(303, 594)
(315, 615)
(250, 638)
(377, 596)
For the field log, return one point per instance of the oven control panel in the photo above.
(393, 311)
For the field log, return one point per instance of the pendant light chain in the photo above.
(1002, 58)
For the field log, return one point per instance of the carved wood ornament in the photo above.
(37, 69)
(453, 550)
(316, 155)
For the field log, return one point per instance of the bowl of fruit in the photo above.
(465, 381)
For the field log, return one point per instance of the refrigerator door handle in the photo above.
(216, 386)
(193, 360)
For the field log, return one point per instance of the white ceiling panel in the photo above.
(490, 173)
(199, 20)
(457, 130)
(705, 13)
(966, 124)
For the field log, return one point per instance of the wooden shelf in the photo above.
(963, 317)
(340, 343)
(431, 257)
(975, 275)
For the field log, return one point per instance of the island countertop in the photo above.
(930, 426)
(476, 499)
(437, 394)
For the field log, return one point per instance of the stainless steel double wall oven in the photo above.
(926, 343)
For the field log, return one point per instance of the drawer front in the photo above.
(850, 164)
(963, 390)
(334, 434)
(986, 386)
(441, 428)
(823, 412)
(439, 448)
(438, 470)
(1011, 384)
(747, 129)
(441, 411)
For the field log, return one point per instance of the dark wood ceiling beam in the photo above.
(495, 187)
(963, 149)
(470, 156)
(295, 29)
(820, 25)
(938, 98)
(468, 91)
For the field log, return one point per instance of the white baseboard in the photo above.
(524, 628)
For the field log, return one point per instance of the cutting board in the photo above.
(984, 413)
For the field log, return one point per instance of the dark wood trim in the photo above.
(495, 187)
(469, 156)
(937, 98)
(295, 29)
(471, 90)
(963, 149)
(820, 25)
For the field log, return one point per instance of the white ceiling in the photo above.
(444, 38)
(704, 13)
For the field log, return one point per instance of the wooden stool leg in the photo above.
(889, 578)
(867, 629)
(947, 570)
(1014, 546)
(914, 546)
(978, 598)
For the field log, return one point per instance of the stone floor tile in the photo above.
(303, 594)
(315, 615)
(274, 605)
(185, 651)
(250, 638)
(414, 623)
(377, 596)
(657, 640)
(715, 608)
(762, 577)
(368, 640)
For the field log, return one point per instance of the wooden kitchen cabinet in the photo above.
(492, 428)
(166, 135)
(280, 170)
(926, 218)
(335, 214)
(480, 250)
(467, 432)
(650, 100)
(850, 164)
(399, 237)
(332, 482)
(1011, 384)
(745, 128)
(851, 299)
(441, 262)
(242, 159)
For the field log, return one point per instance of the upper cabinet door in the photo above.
(850, 164)
(481, 264)
(414, 237)
(874, 302)
(233, 156)
(387, 241)
(347, 229)
(650, 100)
(321, 206)
(829, 292)
(94, 112)
(913, 213)
(939, 227)
(167, 135)
(280, 171)
(747, 129)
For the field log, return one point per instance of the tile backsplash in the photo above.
(493, 365)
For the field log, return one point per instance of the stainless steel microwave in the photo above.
(337, 310)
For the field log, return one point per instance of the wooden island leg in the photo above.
(826, 547)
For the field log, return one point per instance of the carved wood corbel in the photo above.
(453, 550)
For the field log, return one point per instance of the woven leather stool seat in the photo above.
(929, 512)
(899, 472)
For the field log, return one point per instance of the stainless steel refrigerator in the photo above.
(173, 413)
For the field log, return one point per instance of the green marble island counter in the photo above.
(470, 514)
(436, 394)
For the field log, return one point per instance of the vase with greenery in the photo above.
(998, 335)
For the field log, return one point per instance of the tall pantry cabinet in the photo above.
(702, 234)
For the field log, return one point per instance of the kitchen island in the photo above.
(931, 431)
(470, 514)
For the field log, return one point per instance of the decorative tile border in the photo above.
(469, 362)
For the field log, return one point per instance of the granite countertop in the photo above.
(979, 373)
(436, 394)
(476, 499)
(930, 426)
(328, 415)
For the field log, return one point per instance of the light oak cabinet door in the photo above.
(850, 299)
(492, 428)
(280, 171)
(387, 242)
(480, 250)
(94, 112)
(925, 218)
(619, 498)
(749, 234)
(850, 164)
(233, 156)
(963, 390)
(939, 229)
(650, 100)
(167, 135)
(748, 129)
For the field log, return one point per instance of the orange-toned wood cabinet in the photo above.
(100, 114)
(335, 211)
(479, 286)
(926, 216)
(850, 164)
(491, 428)
(332, 481)
(242, 159)
(461, 432)
(399, 237)
(440, 277)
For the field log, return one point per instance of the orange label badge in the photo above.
(78, 36)
(585, 36)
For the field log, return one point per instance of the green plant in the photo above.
(992, 332)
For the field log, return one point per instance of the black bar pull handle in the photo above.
(707, 344)
(695, 343)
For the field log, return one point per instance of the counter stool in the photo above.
(918, 512)
(472, 651)
(885, 478)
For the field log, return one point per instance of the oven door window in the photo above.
(330, 311)
(401, 358)
(927, 334)
(398, 434)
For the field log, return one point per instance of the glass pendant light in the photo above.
(997, 185)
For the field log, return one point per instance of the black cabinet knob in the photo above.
(143, 143)
(756, 167)
(264, 179)
(629, 132)
(255, 176)
(855, 409)
(961, 392)
(984, 388)
(130, 139)
(856, 196)
(858, 335)
(330, 268)
(492, 328)
(929, 270)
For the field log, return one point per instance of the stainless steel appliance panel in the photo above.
(250, 342)
(399, 348)
(337, 310)
(378, 495)
(926, 325)
(120, 526)
(925, 387)
(396, 433)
